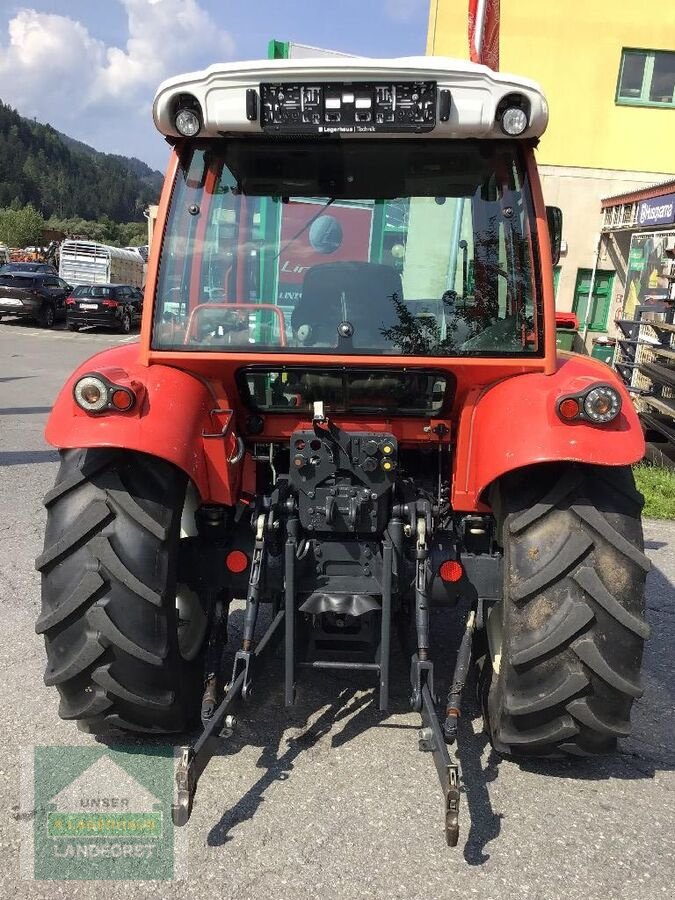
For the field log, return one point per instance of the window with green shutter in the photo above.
(602, 297)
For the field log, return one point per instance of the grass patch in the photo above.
(658, 486)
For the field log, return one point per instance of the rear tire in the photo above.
(109, 594)
(572, 622)
(47, 315)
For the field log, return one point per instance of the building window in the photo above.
(646, 78)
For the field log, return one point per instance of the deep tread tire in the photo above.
(108, 594)
(573, 618)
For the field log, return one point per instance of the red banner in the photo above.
(307, 239)
(484, 32)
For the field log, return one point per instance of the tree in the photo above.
(21, 227)
(64, 177)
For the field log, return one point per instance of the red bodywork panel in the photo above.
(194, 422)
(175, 410)
(513, 423)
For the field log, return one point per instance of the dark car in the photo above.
(32, 267)
(36, 294)
(110, 305)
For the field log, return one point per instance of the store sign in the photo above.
(658, 211)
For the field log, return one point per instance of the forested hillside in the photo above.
(65, 179)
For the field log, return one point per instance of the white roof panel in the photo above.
(476, 92)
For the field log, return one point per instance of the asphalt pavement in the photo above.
(334, 800)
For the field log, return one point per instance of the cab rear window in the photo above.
(407, 392)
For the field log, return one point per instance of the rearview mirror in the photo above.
(554, 217)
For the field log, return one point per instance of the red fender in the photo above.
(173, 412)
(514, 423)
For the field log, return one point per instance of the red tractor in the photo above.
(347, 403)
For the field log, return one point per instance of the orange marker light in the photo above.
(451, 570)
(569, 409)
(236, 562)
(122, 400)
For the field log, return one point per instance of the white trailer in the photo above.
(86, 262)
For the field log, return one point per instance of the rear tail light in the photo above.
(602, 404)
(236, 562)
(112, 304)
(599, 405)
(94, 393)
(451, 570)
(70, 301)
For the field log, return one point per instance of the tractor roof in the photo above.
(460, 99)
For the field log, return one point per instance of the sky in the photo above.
(90, 68)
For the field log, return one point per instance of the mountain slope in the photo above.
(66, 178)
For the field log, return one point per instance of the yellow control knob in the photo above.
(387, 449)
(387, 465)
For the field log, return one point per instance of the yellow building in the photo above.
(607, 68)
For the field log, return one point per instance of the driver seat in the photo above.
(360, 293)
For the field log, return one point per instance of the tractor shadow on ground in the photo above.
(352, 709)
(348, 704)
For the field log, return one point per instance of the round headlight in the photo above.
(514, 121)
(602, 404)
(187, 122)
(91, 393)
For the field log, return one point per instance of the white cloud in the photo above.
(46, 61)
(162, 33)
(406, 10)
(52, 68)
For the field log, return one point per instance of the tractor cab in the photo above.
(369, 209)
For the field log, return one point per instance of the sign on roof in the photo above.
(657, 211)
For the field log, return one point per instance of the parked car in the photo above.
(116, 306)
(33, 267)
(40, 295)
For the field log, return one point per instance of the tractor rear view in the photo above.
(347, 405)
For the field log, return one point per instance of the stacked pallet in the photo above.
(645, 359)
